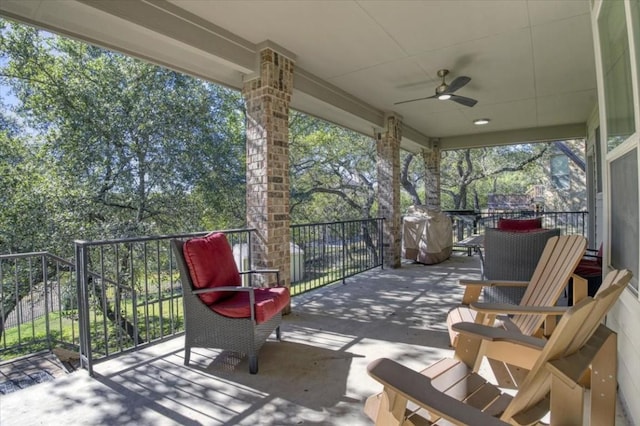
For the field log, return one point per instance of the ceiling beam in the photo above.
(171, 21)
(513, 137)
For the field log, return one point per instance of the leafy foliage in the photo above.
(467, 176)
(130, 148)
(333, 171)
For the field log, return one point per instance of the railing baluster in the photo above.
(45, 281)
(83, 308)
(18, 307)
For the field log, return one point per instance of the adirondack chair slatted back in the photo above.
(559, 259)
(576, 327)
(609, 292)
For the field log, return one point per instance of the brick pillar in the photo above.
(267, 97)
(431, 161)
(388, 146)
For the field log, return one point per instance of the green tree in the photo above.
(137, 148)
(333, 171)
(468, 175)
(464, 171)
(24, 192)
(110, 147)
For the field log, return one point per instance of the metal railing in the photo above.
(39, 303)
(130, 293)
(468, 223)
(119, 295)
(323, 253)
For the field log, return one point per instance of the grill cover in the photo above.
(427, 235)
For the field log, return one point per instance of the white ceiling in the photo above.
(531, 62)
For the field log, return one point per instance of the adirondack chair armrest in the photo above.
(473, 288)
(417, 388)
(494, 283)
(508, 309)
(497, 334)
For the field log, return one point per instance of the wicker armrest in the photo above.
(261, 271)
(223, 288)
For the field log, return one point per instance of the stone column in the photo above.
(267, 97)
(431, 161)
(388, 147)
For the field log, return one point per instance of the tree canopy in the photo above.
(333, 172)
(115, 146)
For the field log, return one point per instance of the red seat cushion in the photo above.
(269, 301)
(210, 262)
(587, 268)
(590, 266)
(519, 224)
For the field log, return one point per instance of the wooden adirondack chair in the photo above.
(556, 265)
(450, 392)
(559, 259)
(480, 341)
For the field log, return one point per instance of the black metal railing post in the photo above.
(249, 258)
(45, 282)
(82, 277)
(381, 241)
(343, 238)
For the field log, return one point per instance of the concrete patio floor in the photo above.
(315, 376)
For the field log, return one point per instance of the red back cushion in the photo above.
(519, 224)
(210, 262)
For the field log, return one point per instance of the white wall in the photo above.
(624, 318)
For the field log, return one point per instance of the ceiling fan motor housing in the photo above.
(441, 89)
(443, 86)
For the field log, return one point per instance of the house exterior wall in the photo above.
(624, 318)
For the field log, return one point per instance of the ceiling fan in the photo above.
(445, 91)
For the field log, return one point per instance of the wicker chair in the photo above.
(513, 256)
(231, 317)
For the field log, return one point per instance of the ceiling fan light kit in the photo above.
(445, 91)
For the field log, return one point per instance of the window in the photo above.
(616, 69)
(560, 178)
(635, 19)
(598, 168)
(624, 218)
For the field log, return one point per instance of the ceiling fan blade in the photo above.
(457, 84)
(463, 101)
(413, 100)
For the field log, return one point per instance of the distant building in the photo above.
(497, 203)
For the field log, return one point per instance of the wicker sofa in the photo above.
(511, 255)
